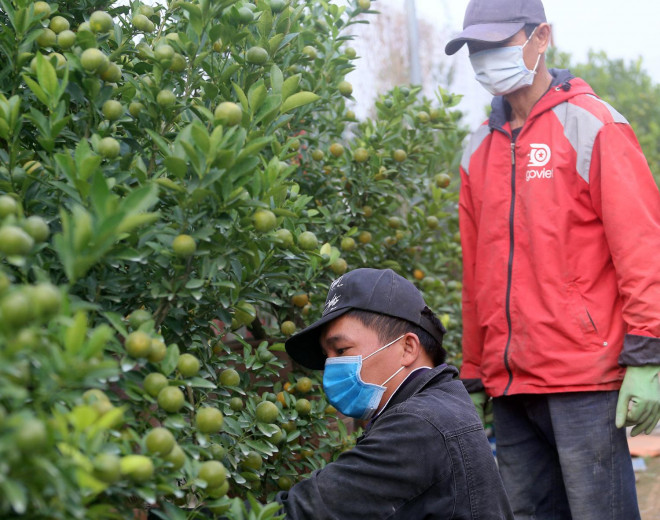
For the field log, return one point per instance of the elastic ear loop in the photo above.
(392, 376)
(533, 71)
(381, 348)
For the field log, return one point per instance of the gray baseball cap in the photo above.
(377, 290)
(496, 20)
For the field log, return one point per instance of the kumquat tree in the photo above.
(179, 184)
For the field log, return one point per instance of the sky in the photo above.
(625, 30)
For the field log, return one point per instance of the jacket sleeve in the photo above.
(472, 336)
(627, 201)
(380, 474)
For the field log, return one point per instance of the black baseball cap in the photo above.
(376, 290)
(496, 20)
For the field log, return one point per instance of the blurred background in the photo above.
(405, 44)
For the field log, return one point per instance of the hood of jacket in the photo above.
(563, 87)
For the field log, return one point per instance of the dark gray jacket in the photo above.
(424, 457)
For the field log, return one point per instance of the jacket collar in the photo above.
(418, 383)
(563, 87)
(411, 387)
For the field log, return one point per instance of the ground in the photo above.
(648, 489)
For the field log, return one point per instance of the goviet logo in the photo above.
(539, 156)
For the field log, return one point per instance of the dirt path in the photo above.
(648, 489)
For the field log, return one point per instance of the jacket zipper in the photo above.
(510, 267)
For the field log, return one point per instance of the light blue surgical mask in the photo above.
(345, 389)
(502, 70)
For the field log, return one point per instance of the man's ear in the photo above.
(412, 349)
(543, 37)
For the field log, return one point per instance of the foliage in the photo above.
(142, 218)
(629, 89)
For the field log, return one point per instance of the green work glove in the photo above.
(639, 399)
(479, 399)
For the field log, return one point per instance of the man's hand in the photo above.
(639, 399)
(479, 399)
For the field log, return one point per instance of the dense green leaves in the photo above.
(156, 244)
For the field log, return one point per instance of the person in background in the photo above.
(424, 453)
(560, 229)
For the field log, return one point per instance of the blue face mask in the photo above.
(502, 70)
(345, 389)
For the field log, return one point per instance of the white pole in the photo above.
(413, 43)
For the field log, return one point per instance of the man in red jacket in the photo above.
(560, 229)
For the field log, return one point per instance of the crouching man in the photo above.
(424, 454)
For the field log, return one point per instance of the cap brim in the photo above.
(305, 347)
(489, 32)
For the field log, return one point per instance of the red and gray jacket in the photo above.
(560, 231)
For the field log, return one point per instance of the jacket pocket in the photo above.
(582, 318)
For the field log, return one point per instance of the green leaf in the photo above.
(16, 494)
(116, 321)
(269, 510)
(288, 38)
(168, 364)
(282, 212)
(198, 382)
(269, 109)
(175, 422)
(173, 512)
(67, 166)
(260, 446)
(76, 332)
(255, 146)
(224, 158)
(298, 100)
(256, 96)
(160, 142)
(176, 166)
(4, 129)
(88, 482)
(192, 154)
(215, 32)
(194, 283)
(97, 341)
(268, 429)
(101, 196)
(265, 22)
(38, 91)
(195, 16)
(88, 166)
(87, 162)
(200, 136)
(109, 420)
(274, 43)
(276, 79)
(21, 20)
(243, 167)
(47, 79)
(82, 417)
(58, 125)
(241, 96)
(140, 199)
(290, 85)
(229, 71)
(131, 222)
